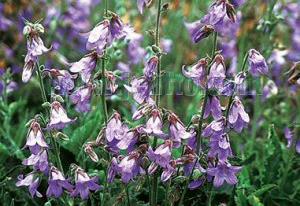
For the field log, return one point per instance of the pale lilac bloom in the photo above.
(213, 107)
(198, 30)
(238, 117)
(257, 63)
(224, 172)
(215, 128)
(32, 182)
(177, 130)
(82, 98)
(111, 77)
(113, 170)
(151, 67)
(130, 167)
(154, 124)
(135, 52)
(166, 45)
(168, 171)
(124, 70)
(216, 76)
(141, 90)
(142, 4)
(63, 81)
(35, 138)
(162, 154)
(99, 37)
(58, 117)
(39, 161)
(197, 72)
(116, 27)
(85, 66)
(30, 63)
(220, 147)
(84, 184)
(288, 134)
(56, 183)
(269, 90)
(35, 46)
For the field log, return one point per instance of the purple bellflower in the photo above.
(151, 67)
(39, 161)
(238, 118)
(58, 117)
(111, 77)
(142, 4)
(198, 31)
(63, 81)
(84, 184)
(220, 147)
(223, 172)
(197, 73)
(154, 124)
(141, 90)
(216, 75)
(269, 90)
(168, 171)
(162, 154)
(35, 138)
(56, 183)
(213, 107)
(82, 98)
(85, 66)
(32, 182)
(257, 63)
(30, 63)
(215, 128)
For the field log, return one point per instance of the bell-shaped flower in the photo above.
(84, 184)
(32, 182)
(162, 154)
(224, 172)
(141, 90)
(198, 30)
(220, 147)
(197, 73)
(216, 76)
(63, 81)
(30, 63)
(39, 161)
(130, 167)
(56, 183)
(213, 107)
(154, 124)
(151, 67)
(238, 118)
(257, 63)
(35, 138)
(82, 98)
(58, 117)
(85, 66)
(215, 128)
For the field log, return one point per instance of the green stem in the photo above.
(167, 192)
(127, 195)
(104, 105)
(42, 87)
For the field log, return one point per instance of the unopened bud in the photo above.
(88, 149)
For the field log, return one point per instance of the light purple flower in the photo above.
(220, 147)
(238, 3)
(213, 107)
(288, 134)
(35, 138)
(177, 130)
(151, 67)
(238, 118)
(141, 90)
(269, 90)
(63, 81)
(130, 167)
(84, 184)
(58, 117)
(82, 98)
(135, 52)
(113, 170)
(154, 124)
(224, 172)
(124, 70)
(257, 63)
(168, 171)
(162, 154)
(35, 46)
(116, 27)
(56, 183)
(166, 45)
(216, 75)
(39, 161)
(215, 128)
(197, 72)
(141, 4)
(198, 31)
(85, 66)
(111, 77)
(30, 63)
(32, 182)
(99, 37)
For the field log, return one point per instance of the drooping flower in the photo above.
(257, 63)
(32, 182)
(154, 124)
(63, 81)
(162, 154)
(168, 171)
(35, 46)
(198, 31)
(35, 138)
(197, 73)
(99, 37)
(220, 147)
(82, 98)
(56, 183)
(216, 76)
(224, 172)
(116, 27)
(142, 4)
(85, 66)
(213, 107)
(177, 130)
(113, 170)
(58, 117)
(84, 184)
(288, 134)
(111, 77)
(269, 90)
(238, 118)
(141, 90)
(215, 129)
(39, 161)
(130, 167)
(30, 63)
(151, 67)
